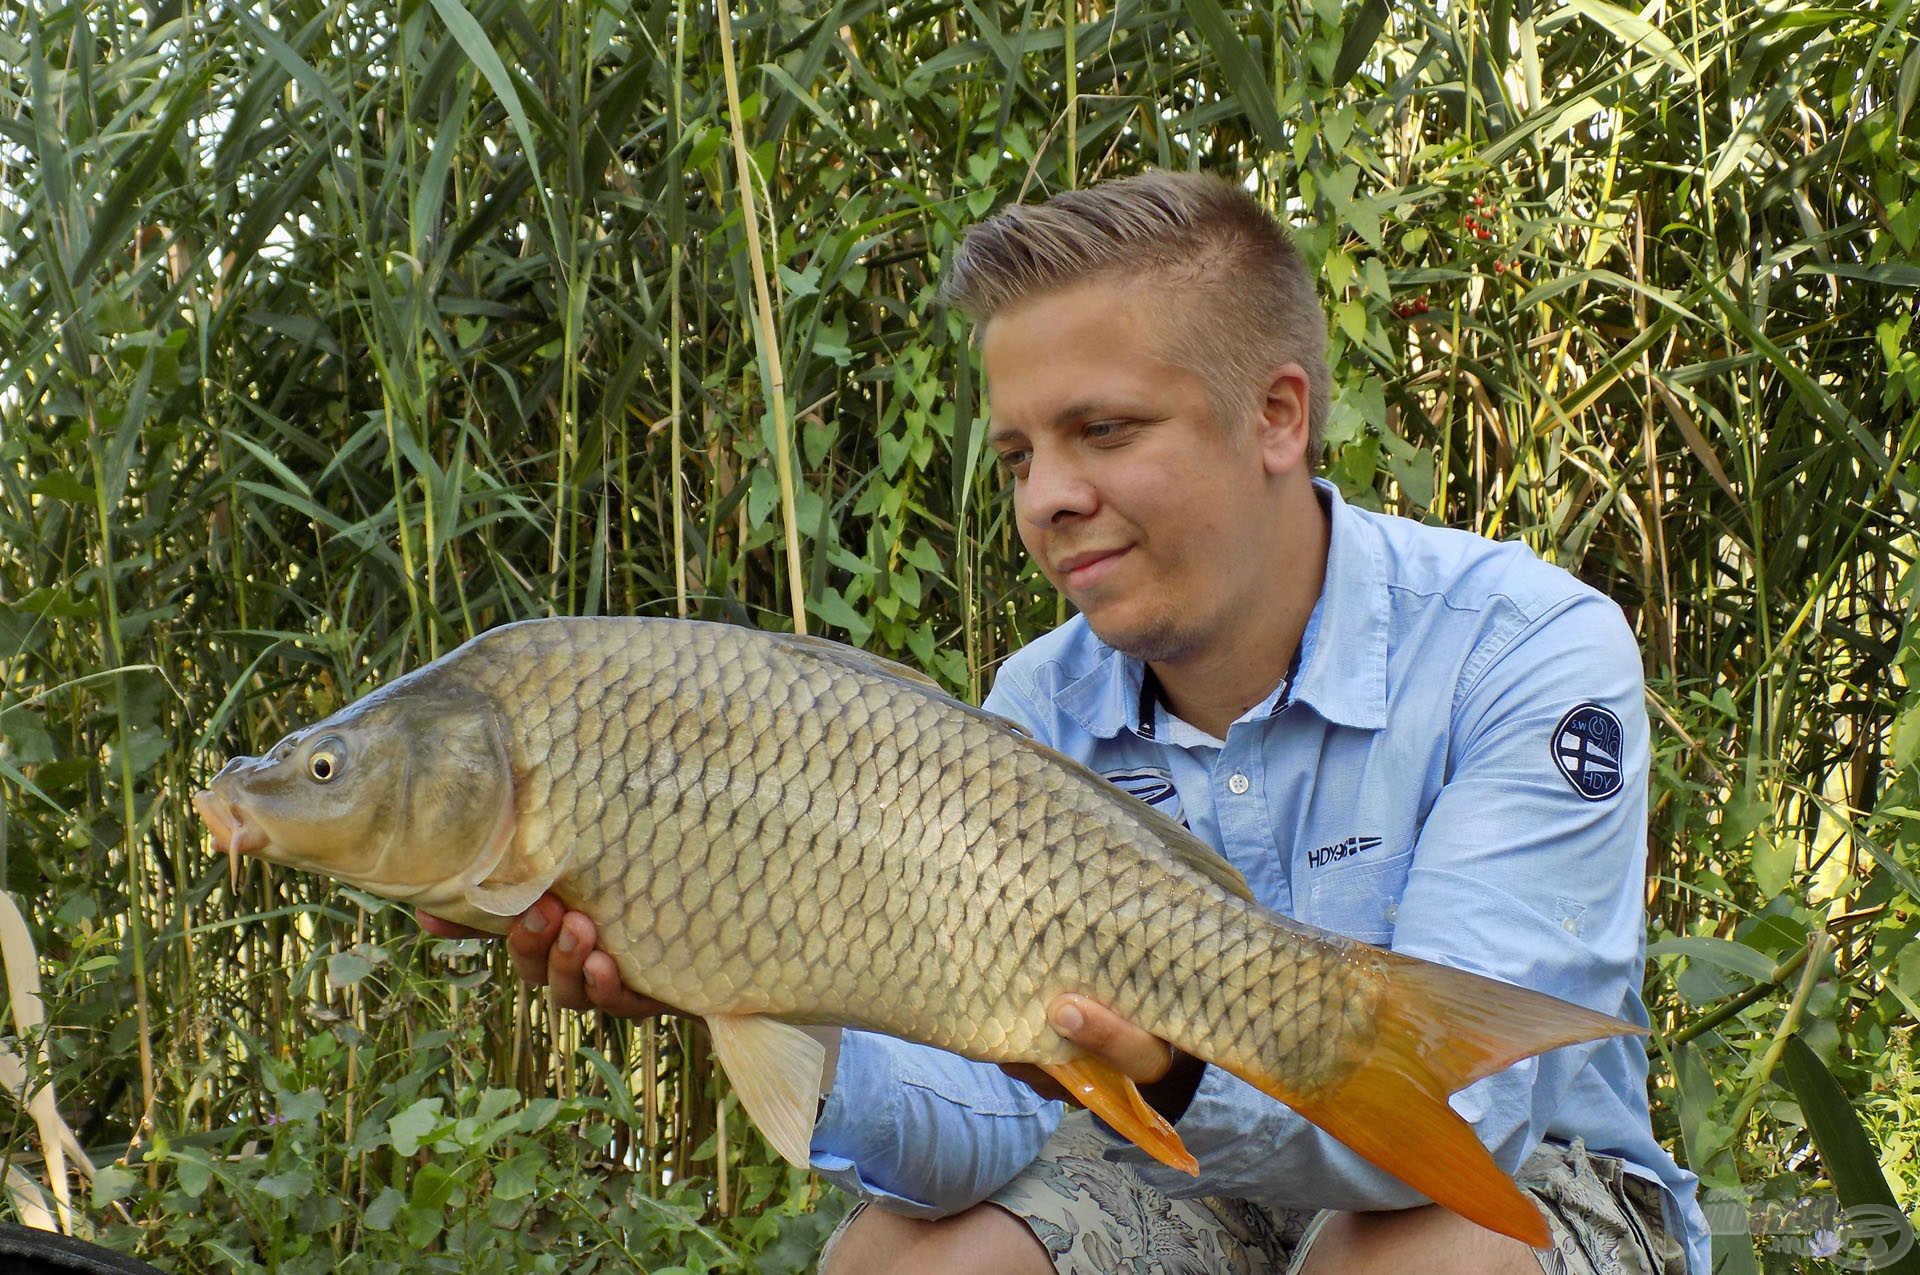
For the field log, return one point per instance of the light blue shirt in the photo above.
(1456, 769)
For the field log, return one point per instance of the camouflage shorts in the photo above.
(1095, 1217)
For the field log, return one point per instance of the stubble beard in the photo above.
(1154, 639)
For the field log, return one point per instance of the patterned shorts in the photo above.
(1095, 1217)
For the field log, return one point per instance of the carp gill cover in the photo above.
(773, 831)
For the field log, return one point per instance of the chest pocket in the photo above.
(1359, 897)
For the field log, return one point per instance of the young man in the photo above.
(1405, 734)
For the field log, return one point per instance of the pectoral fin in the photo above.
(516, 868)
(1112, 1096)
(507, 899)
(775, 1068)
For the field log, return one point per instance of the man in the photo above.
(1405, 734)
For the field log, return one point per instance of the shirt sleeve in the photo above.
(1518, 873)
(924, 1132)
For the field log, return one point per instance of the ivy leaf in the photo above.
(384, 1209)
(410, 1127)
(344, 969)
(191, 1174)
(294, 1184)
(110, 1184)
(831, 342)
(1772, 864)
(303, 1107)
(518, 1176)
(835, 610)
(24, 737)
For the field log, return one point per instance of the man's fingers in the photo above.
(566, 962)
(1131, 1050)
(440, 927)
(560, 949)
(531, 937)
(1098, 1030)
(607, 992)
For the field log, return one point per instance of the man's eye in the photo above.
(1103, 431)
(1014, 463)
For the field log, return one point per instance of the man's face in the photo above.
(1134, 501)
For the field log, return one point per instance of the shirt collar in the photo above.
(1339, 669)
(1343, 661)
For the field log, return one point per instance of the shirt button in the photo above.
(1239, 785)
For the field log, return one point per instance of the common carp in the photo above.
(773, 830)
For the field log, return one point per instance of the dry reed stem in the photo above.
(29, 1015)
(764, 330)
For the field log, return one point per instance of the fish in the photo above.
(779, 833)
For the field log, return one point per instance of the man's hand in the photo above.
(559, 948)
(1126, 1048)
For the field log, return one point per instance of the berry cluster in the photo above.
(1475, 227)
(1482, 227)
(1407, 309)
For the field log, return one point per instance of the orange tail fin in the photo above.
(1112, 1096)
(1441, 1029)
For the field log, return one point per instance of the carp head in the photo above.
(407, 793)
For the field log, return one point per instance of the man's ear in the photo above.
(1284, 419)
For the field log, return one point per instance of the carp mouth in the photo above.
(232, 835)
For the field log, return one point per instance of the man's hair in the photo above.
(1243, 301)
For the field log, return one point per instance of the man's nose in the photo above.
(1054, 489)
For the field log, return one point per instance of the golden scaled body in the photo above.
(772, 830)
(759, 826)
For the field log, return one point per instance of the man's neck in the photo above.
(1212, 688)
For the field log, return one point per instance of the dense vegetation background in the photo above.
(332, 335)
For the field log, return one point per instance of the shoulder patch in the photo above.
(1587, 747)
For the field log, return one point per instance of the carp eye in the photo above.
(324, 764)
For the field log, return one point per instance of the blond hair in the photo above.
(1253, 308)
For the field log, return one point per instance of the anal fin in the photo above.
(775, 1068)
(1112, 1096)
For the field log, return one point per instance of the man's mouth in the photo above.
(1083, 569)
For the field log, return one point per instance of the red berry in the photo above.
(1420, 306)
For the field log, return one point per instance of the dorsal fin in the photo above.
(1182, 844)
(1202, 858)
(854, 658)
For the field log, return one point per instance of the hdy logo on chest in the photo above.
(1340, 850)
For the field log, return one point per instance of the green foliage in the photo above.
(435, 1173)
(332, 336)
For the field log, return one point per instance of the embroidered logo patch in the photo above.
(1587, 748)
(1151, 785)
(1340, 850)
